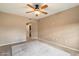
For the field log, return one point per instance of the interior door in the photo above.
(28, 31)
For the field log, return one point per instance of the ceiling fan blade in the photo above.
(43, 12)
(30, 6)
(44, 6)
(29, 12)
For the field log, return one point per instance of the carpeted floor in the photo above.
(37, 48)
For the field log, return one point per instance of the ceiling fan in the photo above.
(37, 9)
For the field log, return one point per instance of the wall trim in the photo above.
(58, 44)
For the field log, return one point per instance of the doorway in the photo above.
(28, 31)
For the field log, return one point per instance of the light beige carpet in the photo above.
(37, 48)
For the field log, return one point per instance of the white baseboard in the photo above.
(58, 44)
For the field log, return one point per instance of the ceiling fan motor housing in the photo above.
(36, 6)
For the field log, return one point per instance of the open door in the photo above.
(28, 31)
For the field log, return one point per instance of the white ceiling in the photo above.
(21, 8)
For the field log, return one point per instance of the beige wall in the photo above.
(34, 29)
(61, 28)
(12, 28)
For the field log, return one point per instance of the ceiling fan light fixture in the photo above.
(37, 12)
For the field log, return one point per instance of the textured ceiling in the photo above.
(21, 8)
